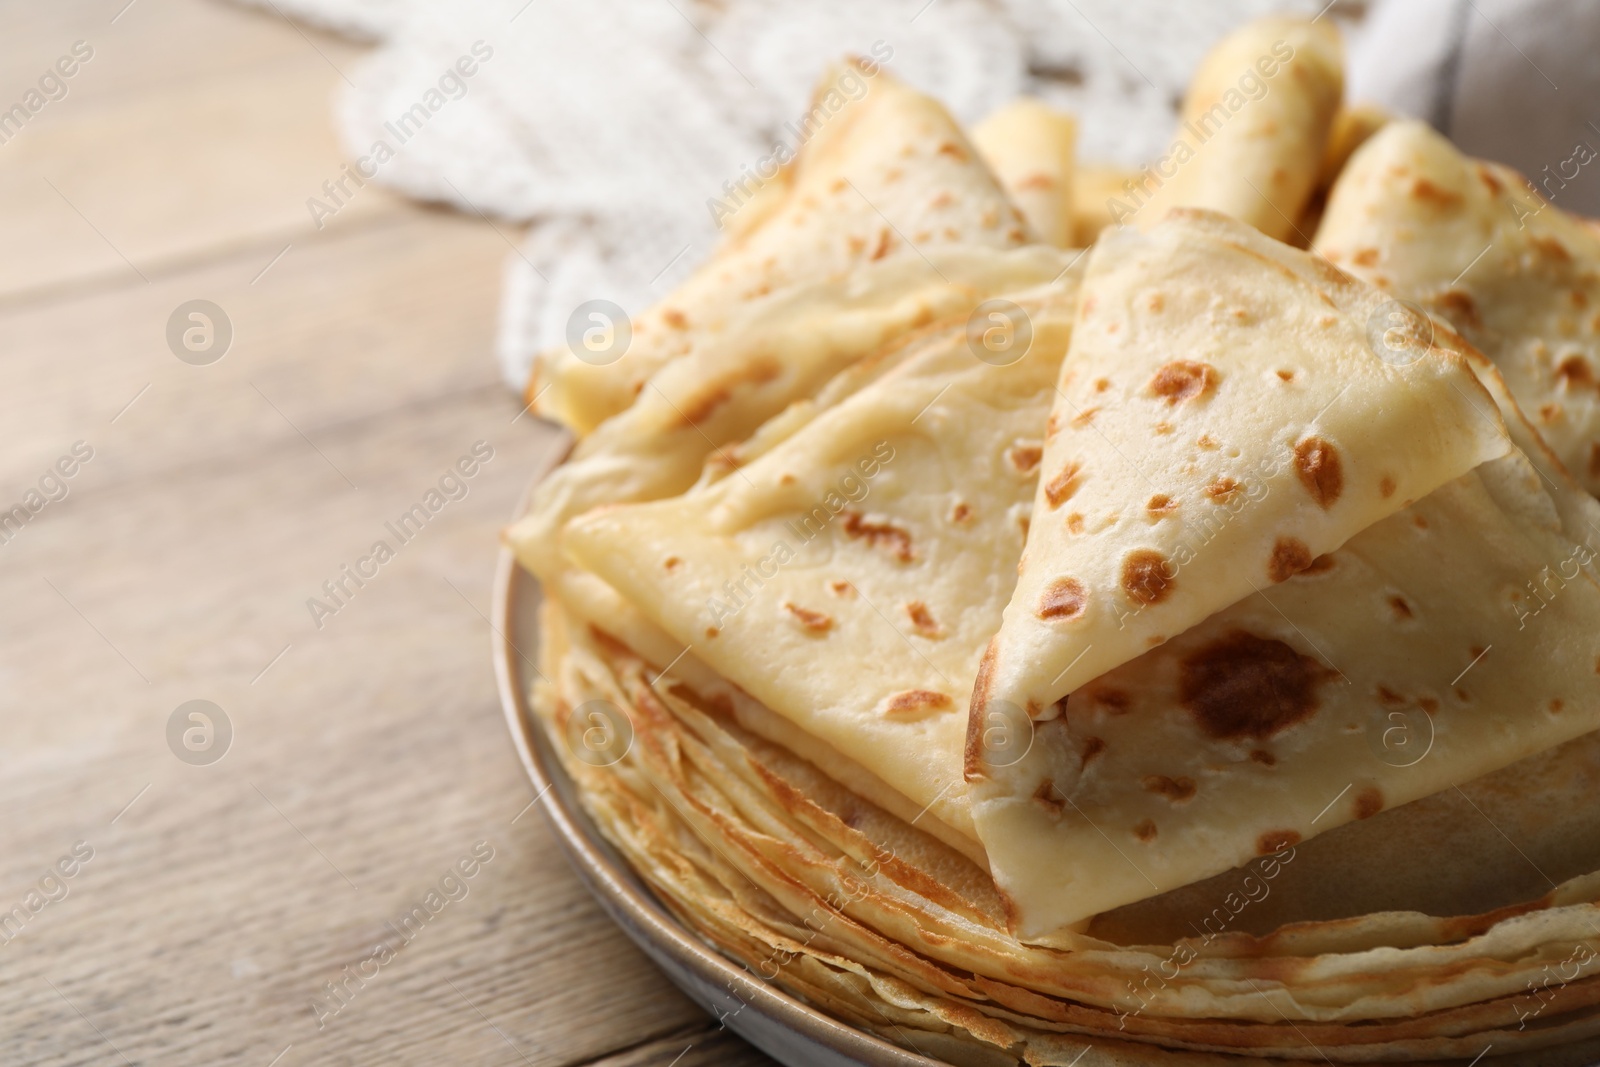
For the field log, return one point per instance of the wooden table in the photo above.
(367, 756)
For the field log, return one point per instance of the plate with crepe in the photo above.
(1006, 611)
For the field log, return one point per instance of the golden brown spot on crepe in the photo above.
(961, 512)
(675, 318)
(1275, 841)
(1145, 576)
(1428, 704)
(954, 151)
(1419, 522)
(944, 199)
(1208, 442)
(1037, 181)
(1222, 489)
(1084, 418)
(1320, 470)
(1290, 556)
(1046, 797)
(1575, 371)
(1369, 802)
(1063, 485)
(785, 478)
(1242, 686)
(914, 703)
(816, 621)
(883, 246)
(1176, 790)
(858, 244)
(1488, 179)
(1183, 380)
(712, 631)
(1075, 523)
(1386, 487)
(1263, 757)
(1113, 700)
(1016, 234)
(1092, 747)
(1459, 307)
(672, 563)
(1145, 831)
(879, 535)
(922, 620)
(1389, 698)
(972, 749)
(990, 218)
(1401, 609)
(1579, 298)
(1161, 504)
(1064, 598)
(1551, 248)
(1102, 384)
(1364, 257)
(1286, 375)
(1423, 189)
(1556, 705)
(842, 588)
(1549, 413)
(1025, 458)
(1321, 565)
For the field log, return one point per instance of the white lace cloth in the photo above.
(611, 123)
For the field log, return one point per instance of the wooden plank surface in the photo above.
(368, 758)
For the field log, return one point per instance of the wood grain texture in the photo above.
(368, 756)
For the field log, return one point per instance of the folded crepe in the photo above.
(848, 577)
(1220, 423)
(885, 172)
(1474, 244)
(1029, 147)
(779, 350)
(1275, 713)
(1251, 137)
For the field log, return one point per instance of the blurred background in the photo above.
(272, 277)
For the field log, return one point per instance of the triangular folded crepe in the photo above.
(1475, 245)
(775, 351)
(1446, 641)
(885, 172)
(1221, 422)
(1250, 140)
(849, 577)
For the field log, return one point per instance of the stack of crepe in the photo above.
(1038, 630)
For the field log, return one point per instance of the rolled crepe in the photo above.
(1029, 146)
(1251, 136)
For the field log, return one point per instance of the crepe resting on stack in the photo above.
(1167, 630)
